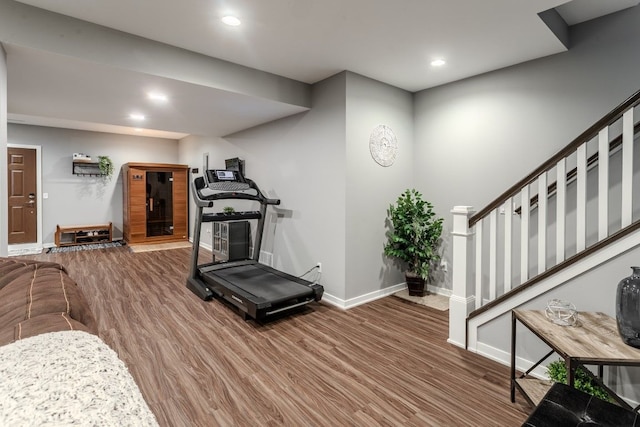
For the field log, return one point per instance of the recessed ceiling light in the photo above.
(156, 96)
(438, 62)
(136, 116)
(231, 20)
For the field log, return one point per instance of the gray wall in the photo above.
(477, 137)
(370, 188)
(80, 199)
(301, 160)
(334, 195)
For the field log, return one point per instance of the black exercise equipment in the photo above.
(256, 290)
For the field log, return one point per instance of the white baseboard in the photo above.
(24, 249)
(372, 296)
(504, 358)
(362, 299)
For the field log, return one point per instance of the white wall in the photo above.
(477, 137)
(4, 202)
(301, 160)
(370, 188)
(80, 199)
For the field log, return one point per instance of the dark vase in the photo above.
(628, 308)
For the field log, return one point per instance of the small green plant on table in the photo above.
(582, 381)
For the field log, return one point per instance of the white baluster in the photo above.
(542, 222)
(493, 254)
(561, 207)
(508, 226)
(603, 183)
(479, 237)
(627, 167)
(581, 198)
(524, 234)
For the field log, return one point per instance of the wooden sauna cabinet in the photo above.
(155, 202)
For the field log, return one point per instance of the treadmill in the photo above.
(256, 290)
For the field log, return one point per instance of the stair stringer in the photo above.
(573, 271)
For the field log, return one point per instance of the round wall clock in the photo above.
(383, 145)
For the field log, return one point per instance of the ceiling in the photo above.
(304, 40)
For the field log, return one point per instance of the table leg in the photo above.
(571, 371)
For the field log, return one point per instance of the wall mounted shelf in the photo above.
(86, 168)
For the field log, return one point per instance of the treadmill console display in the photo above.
(224, 175)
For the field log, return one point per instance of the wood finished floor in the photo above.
(386, 363)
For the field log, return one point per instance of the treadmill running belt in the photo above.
(262, 283)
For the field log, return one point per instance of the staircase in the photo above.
(573, 213)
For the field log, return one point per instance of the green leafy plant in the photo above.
(228, 210)
(557, 372)
(414, 234)
(106, 166)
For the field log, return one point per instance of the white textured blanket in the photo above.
(68, 378)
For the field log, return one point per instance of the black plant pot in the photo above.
(416, 285)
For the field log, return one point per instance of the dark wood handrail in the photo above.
(556, 268)
(593, 159)
(587, 135)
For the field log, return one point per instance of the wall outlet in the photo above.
(319, 266)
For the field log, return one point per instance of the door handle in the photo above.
(32, 196)
(30, 202)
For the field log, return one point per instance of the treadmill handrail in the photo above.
(205, 200)
(204, 195)
(196, 185)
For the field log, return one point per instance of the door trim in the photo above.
(31, 248)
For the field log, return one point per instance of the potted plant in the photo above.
(557, 372)
(106, 166)
(413, 238)
(228, 210)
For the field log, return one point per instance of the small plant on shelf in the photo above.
(106, 166)
(228, 210)
(557, 372)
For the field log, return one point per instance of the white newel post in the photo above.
(462, 300)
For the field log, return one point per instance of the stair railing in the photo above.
(540, 223)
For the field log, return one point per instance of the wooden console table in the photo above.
(594, 340)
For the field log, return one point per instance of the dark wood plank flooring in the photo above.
(386, 363)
